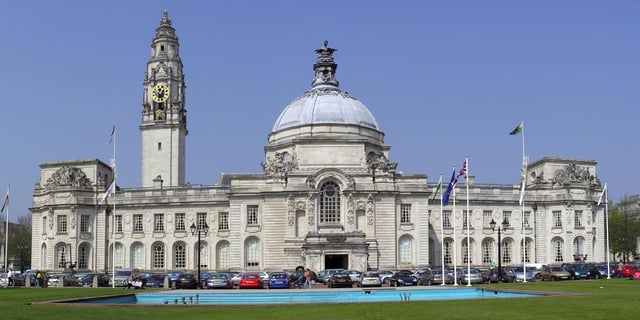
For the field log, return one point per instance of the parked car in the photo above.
(385, 274)
(66, 279)
(403, 278)
(251, 280)
(219, 281)
(602, 268)
(472, 275)
(437, 276)
(577, 270)
(369, 279)
(326, 274)
(340, 280)
(86, 279)
(122, 276)
(627, 271)
(354, 274)
(554, 272)
(186, 281)
(235, 280)
(507, 275)
(281, 280)
(424, 276)
(521, 275)
(155, 280)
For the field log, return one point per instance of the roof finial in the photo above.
(325, 68)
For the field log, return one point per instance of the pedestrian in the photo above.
(38, 279)
(10, 277)
(307, 277)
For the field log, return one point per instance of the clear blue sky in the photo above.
(444, 79)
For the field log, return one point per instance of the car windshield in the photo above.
(279, 276)
(403, 274)
(557, 269)
(340, 275)
(372, 275)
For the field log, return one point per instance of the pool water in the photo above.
(311, 296)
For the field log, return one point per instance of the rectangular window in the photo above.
(84, 223)
(118, 223)
(466, 217)
(577, 219)
(252, 215)
(405, 213)
(62, 224)
(223, 220)
(137, 223)
(202, 220)
(557, 219)
(527, 217)
(158, 222)
(446, 219)
(180, 222)
(506, 216)
(486, 219)
(44, 225)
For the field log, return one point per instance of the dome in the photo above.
(325, 103)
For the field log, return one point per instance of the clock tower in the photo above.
(164, 117)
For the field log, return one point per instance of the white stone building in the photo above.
(328, 197)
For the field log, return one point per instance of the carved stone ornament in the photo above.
(336, 239)
(351, 213)
(311, 183)
(280, 165)
(370, 210)
(573, 174)
(69, 177)
(311, 200)
(291, 204)
(377, 162)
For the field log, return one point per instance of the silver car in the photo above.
(369, 279)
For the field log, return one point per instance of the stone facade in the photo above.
(329, 197)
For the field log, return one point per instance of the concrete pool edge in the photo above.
(86, 301)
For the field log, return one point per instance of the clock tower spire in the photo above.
(164, 117)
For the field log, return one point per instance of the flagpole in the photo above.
(442, 234)
(606, 215)
(455, 242)
(113, 214)
(466, 182)
(6, 234)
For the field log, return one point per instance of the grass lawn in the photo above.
(604, 299)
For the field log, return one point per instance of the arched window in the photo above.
(222, 255)
(252, 253)
(137, 255)
(204, 255)
(507, 251)
(487, 251)
(578, 246)
(118, 255)
(467, 251)
(179, 256)
(158, 256)
(448, 251)
(556, 246)
(406, 250)
(330, 203)
(62, 255)
(83, 257)
(43, 256)
(527, 249)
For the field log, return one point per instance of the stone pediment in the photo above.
(67, 176)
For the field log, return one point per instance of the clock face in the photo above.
(160, 93)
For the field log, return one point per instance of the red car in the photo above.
(250, 280)
(628, 271)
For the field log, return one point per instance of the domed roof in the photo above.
(325, 103)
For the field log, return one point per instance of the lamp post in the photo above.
(200, 229)
(505, 225)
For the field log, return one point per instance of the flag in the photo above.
(113, 132)
(599, 200)
(522, 193)
(5, 202)
(445, 196)
(462, 171)
(517, 130)
(111, 190)
(438, 187)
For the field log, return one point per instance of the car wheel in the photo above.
(553, 279)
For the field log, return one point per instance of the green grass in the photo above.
(599, 299)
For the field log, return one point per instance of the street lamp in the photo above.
(200, 229)
(505, 225)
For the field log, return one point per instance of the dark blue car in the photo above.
(279, 280)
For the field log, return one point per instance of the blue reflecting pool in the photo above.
(304, 296)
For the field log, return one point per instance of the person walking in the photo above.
(307, 277)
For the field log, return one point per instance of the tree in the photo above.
(624, 228)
